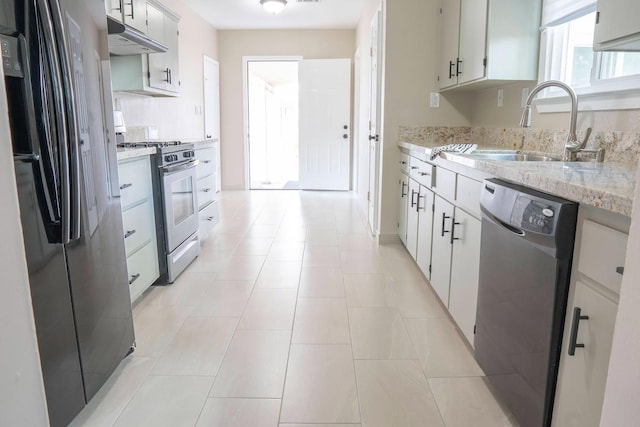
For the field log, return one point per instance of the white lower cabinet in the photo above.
(582, 376)
(465, 268)
(425, 230)
(207, 172)
(412, 218)
(138, 218)
(403, 200)
(439, 224)
(441, 249)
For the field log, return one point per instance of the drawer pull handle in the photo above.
(129, 233)
(206, 161)
(620, 270)
(134, 278)
(444, 217)
(206, 190)
(414, 167)
(575, 324)
(211, 218)
(402, 162)
(123, 186)
(424, 173)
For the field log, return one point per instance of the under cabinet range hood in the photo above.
(124, 40)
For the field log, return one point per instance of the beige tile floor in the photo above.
(294, 316)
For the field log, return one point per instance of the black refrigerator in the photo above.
(55, 60)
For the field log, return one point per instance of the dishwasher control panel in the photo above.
(533, 215)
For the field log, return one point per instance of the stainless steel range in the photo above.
(176, 192)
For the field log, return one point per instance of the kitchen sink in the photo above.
(513, 156)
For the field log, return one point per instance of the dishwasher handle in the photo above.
(498, 221)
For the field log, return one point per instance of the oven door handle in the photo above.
(180, 167)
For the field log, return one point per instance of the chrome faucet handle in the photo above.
(587, 134)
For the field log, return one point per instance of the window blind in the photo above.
(556, 12)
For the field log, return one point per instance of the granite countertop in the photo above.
(130, 153)
(605, 185)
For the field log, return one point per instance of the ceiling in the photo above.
(249, 14)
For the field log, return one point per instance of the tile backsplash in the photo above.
(620, 147)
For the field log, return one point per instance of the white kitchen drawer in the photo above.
(207, 161)
(143, 269)
(468, 195)
(404, 162)
(209, 217)
(445, 184)
(139, 225)
(206, 191)
(421, 171)
(602, 251)
(135, 181)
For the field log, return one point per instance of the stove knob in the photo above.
(188, 154)
(168, 158)
(175, 158)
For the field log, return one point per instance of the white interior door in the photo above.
(374, 118)
(325, 117)
(211, 99)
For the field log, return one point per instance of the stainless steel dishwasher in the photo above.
(525, 263)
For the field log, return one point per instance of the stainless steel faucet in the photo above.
(572, 146)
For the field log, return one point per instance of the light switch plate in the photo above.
(434, 100)
(500, 97)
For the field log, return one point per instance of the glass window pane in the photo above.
(619, 64)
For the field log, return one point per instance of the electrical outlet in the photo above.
(525, 95)
(500, 97)
(434, 100)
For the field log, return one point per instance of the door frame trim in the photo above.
(245, 104)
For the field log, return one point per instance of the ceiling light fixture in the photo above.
(273, 6)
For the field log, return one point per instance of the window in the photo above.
(567, 55)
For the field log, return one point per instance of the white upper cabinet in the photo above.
(488, 42)
(617, 26)
(135, 14)
(154, 74)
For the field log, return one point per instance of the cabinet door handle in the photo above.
(134, 278)
(453, 230)
(451, 65)
(123, 186)
(119, 8)
(129, 233)
(170, 77)
(444, 218)
(413, 195)
(575, 324)
(166, 71)
(418, 203)
(402, 193)
(132, 10)
(458, 62)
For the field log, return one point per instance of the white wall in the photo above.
(22, 399)
(411, 68)
(232, 46)
(179, 118)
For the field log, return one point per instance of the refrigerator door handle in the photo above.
(58, 89)
(70, 119)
